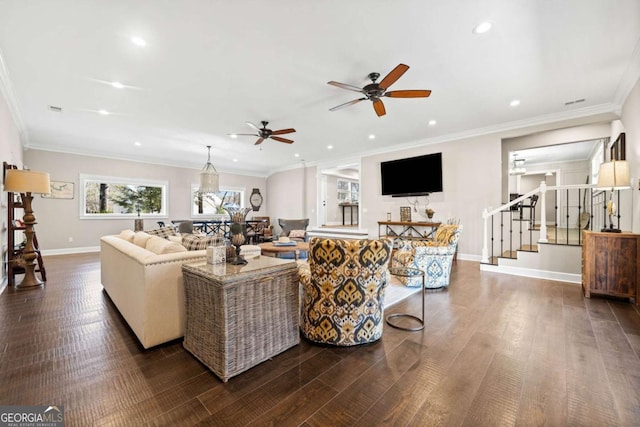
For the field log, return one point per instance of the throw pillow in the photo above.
(127, 235)
(163, 232)
(195, 243)
(140, 239)
(300, 234)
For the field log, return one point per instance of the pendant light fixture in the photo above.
(209, 179)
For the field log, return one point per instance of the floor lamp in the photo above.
(613, 175)
(26, 182)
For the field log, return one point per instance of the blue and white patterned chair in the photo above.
(434, 257)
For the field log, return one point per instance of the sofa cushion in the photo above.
(140, 239)
(194, 242)
(163, 232)
(160, 246)
(177, 238)
(127, 235)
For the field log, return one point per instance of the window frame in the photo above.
(215, 216)
(138, 182)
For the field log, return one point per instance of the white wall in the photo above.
(58, 219)
(11, 152)
(293, 195)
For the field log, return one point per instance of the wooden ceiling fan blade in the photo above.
(259, 141)
(346, 104)
(283, 131)
(379, 107)
(408, 93)
(394, 75)
(345, 86)
(285, 140)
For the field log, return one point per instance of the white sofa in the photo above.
(143, 278)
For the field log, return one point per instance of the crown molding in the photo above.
(629, 78)
(6, 88)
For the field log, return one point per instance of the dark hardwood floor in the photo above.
(496, 350)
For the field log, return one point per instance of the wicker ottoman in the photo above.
(238, 316)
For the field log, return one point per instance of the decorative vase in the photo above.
(237, 240)
(430, 213)
(237, 229)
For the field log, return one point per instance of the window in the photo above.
(348, 192)
(212, 204)
(113, 197)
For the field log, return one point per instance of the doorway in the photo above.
(339, 196)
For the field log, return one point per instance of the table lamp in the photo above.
(613, 175)
(26, 182)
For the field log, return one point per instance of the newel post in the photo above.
(485, 248)
(543, 213)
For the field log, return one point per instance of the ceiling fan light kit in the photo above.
(375, 91)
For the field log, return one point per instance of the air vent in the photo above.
(55, 108)
(575, 101)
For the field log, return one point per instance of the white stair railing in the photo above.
(595, 201)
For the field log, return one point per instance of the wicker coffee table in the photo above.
(238, 316)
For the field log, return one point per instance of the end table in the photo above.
(407, 272)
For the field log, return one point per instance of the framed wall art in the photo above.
(405, 213)
(60, 190)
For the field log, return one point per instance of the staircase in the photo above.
(550, 248)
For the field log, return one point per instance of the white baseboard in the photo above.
(67, 251)
(529, 272)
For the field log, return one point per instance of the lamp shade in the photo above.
(614, 175)
(25, 181)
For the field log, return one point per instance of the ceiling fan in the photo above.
(374, 91)
(264, 133)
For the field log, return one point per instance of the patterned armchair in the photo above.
(433, 257)
(343, 286)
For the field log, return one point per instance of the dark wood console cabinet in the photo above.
(611, 264)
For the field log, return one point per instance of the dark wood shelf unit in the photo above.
(13, 249)
(611, 264)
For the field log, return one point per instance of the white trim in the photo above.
(529, 272)
(68, 251)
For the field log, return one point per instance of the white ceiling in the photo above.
(210, 66)
(574, 151)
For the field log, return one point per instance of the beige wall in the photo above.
(471, 182)
(631, 121)
(58, 219)
(292, 195)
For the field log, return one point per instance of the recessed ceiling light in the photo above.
(296, 155)
(235, 160)
(138, 41)
(515, 103)
(137, 143)
(117, 85)
(548, 174)
(432, 122)
(233, 135)
(330, 147)
(372, 136)
(482, 27)
(103, 112)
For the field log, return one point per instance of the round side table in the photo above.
(407, 272)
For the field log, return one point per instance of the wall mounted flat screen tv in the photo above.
(413, 176)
